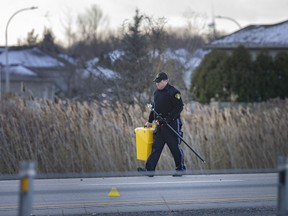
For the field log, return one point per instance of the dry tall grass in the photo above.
(87, 137)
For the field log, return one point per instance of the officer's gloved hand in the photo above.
(160, 120)
(148, 124)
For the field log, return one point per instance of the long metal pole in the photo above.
(186, 143)
(7, 78)
(229, 18)
(0, 87)
(181, 138)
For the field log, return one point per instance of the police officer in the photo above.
(168, 105)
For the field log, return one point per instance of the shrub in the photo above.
(237, 78)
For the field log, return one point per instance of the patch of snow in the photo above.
(20, 70)
(110, 74)
(100, 72)
(194, 61)
(114, 55)
(178, 55)
(68, 58)
(97, 71)
(188, 60)
(92, 62)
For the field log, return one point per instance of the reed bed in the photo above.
(92, 137)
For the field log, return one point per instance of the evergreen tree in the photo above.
(265, 77)
(135, 65)
(208, 80)
(240, 78)
(32, 39)
(281, 70)
(47, 44)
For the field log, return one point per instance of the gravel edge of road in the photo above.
(257, 211)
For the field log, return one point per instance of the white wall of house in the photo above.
(37, 88)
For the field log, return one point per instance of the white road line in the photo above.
(153, 183)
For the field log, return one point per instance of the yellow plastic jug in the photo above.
(144, 140)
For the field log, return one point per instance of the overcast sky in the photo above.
(53, 13)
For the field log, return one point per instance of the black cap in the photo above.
(160, 76)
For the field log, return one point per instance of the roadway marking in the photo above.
(162, 182)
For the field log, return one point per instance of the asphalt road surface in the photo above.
(121, 195)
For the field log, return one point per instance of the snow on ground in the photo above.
(188, 60)
(116, 54)
(95, 70)
(193, 63)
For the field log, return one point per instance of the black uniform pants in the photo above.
(164, 135)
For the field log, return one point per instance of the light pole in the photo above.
(231, 19)
(7, 81)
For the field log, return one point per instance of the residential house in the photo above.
(273, 38)
(32, 71)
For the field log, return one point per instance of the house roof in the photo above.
(21, 73)
(256, 36)
(20, 70)
(92, 68)
(30, 57)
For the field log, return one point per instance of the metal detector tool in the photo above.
(152, 109)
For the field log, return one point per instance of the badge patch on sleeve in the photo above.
(178, 96)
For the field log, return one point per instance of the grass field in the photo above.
(93, 137)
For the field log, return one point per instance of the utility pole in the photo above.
(229, 18)
(7, 78)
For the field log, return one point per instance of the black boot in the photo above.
(144, 171)
(179, 173)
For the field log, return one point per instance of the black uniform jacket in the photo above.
(168, 103)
